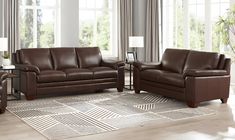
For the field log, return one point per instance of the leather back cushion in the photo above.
(17, 60)
(89, 57)
(39, 57)
(174, 60)
(221, 62)
(64, 58)
(202, 60)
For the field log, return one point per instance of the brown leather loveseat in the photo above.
(3, 92)
(66, 70)
(187, 75)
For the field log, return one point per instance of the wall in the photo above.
(69, 26)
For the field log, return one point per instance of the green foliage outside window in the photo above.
(45, 31)
(225, 28)
(196, 30)
(88, 31)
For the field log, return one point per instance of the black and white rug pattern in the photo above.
(79, 115)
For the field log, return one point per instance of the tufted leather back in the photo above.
(89, 57)
(39, 57)
(60, 58)
(174, 60)
(202, 60)
(64, 58)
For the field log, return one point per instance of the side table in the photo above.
(130, 85)
(15, 94)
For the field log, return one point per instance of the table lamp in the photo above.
(4, 49)
(3, 44)
(136, 42)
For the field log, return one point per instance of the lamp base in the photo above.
(6, 62)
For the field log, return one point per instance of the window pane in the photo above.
(173, 23)
(45, 28)
(197, 26)
(86, 27)
(110, 4)
(95, 25)
(103, 30)
(26, 28)
(82, 3)
(46, 2)
(91, 3)
(26, 2)
(218, 9)
(179, 27)
(102, 4)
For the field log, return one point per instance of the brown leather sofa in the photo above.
(46, 71)
(187, 75)
(3, 92)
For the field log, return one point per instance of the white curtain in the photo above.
(12, 26)
(125, 28)
(152, 31)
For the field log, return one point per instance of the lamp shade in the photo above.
(136, 41)
(3, 44)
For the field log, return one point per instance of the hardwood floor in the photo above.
(219, 126)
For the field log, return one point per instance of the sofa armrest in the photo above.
(112, 63)
(3, 76)
(27, 67)
(201, 73)
(143, 66)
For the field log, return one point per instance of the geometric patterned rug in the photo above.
(79, 115)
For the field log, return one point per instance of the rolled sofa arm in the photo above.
(144, 66)
(201, 73)
(112, 63)
(3, 76)
(227, 65)
(27, 67)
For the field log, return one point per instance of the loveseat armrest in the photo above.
(3, 76)
(143, 66)
(115, 64)
(203, 73)
(27, 67)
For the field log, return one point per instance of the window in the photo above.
(218, 8)
(196, 9)
(192, 23)
(97, 25)
(37, 23)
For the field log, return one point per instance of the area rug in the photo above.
(79, 115)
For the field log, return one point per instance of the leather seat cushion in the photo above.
(104, 72)
(164, 77)
(51, 76)
(78, 74)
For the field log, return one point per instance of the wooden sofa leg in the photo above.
(224, 101)
(192, 104)
(137, 91)
(30, 97)
(2, 110)
(120, 89)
